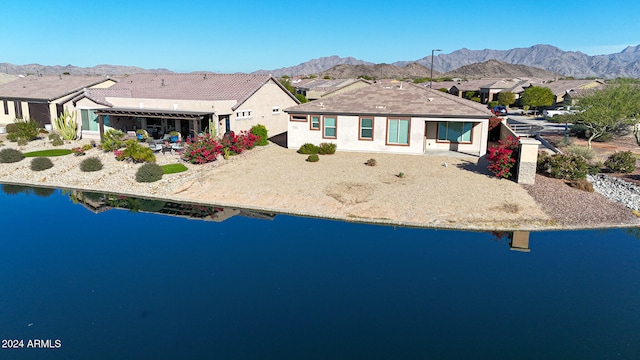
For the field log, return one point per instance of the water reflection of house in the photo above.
(97, 203)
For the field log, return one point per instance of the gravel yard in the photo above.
(441, 192)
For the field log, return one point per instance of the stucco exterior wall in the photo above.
(8, 118)
(262, 104)
(347, 131)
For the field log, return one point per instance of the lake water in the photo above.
(121, 284)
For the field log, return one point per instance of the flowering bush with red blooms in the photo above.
(202, 149)
(502, 157)
(494, 122)
(239, 143)
(119, 154)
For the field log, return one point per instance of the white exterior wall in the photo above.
(11, 116)
(347, 130)
(261, 104)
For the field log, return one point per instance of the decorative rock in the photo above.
(616, 189)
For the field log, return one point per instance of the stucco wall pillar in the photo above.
(528, 161)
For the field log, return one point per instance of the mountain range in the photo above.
(528, 61)
(546, 57)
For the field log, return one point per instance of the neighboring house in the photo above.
(42, 97)
(398, 118)
(187, 103)
(314, 89)
(573, 96)
(560, 88)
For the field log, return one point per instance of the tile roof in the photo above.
(212, 87)
(560, 87)
(403, 99)
(47, 87)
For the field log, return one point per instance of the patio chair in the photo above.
(155, 147)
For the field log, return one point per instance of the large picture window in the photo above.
(329, 128)
(398, 131)
(459, 132)
(366, 129)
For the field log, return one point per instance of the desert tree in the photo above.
(506, 98)
(537, 96)
(605, 111)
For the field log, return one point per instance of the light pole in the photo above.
(431, 76)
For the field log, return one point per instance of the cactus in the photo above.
(67, 125)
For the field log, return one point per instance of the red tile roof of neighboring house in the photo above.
(47, 87)
(403, 99)
(212, 87)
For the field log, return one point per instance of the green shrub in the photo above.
(26, 130)
(261, 131)
(149, 172)
(112, 140)
(621, 162)
(136, 152)
(327, 148)
(542, 167)
(13, 137)
(87, 147)
(41, 163)
(313, 158)
(580, 131)
(91, 164)
(567, 166)
(583, 151)
(56, 140)
(493, 104)
(11, 128)
(308, 148)
(10, 155)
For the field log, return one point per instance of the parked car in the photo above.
(557, 111)
(499, 110)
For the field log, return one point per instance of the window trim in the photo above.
(17, 107)
(292, 116)
(373, 121)
(386, 138)
(311, 122)
(445, 141)
(335, 127)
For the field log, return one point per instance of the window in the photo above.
(302, 118)
(17, 105)
(275, 110)
(398, 131)
(330, 127)
(459, 132)
(366, 129)
(6, 106)
(243, 114)
(315, 122)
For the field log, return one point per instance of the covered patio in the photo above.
(156, 122)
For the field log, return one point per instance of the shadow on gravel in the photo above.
(478, 168)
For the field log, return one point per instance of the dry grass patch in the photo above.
(351, 193)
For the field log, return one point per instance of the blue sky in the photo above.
(244, 36)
